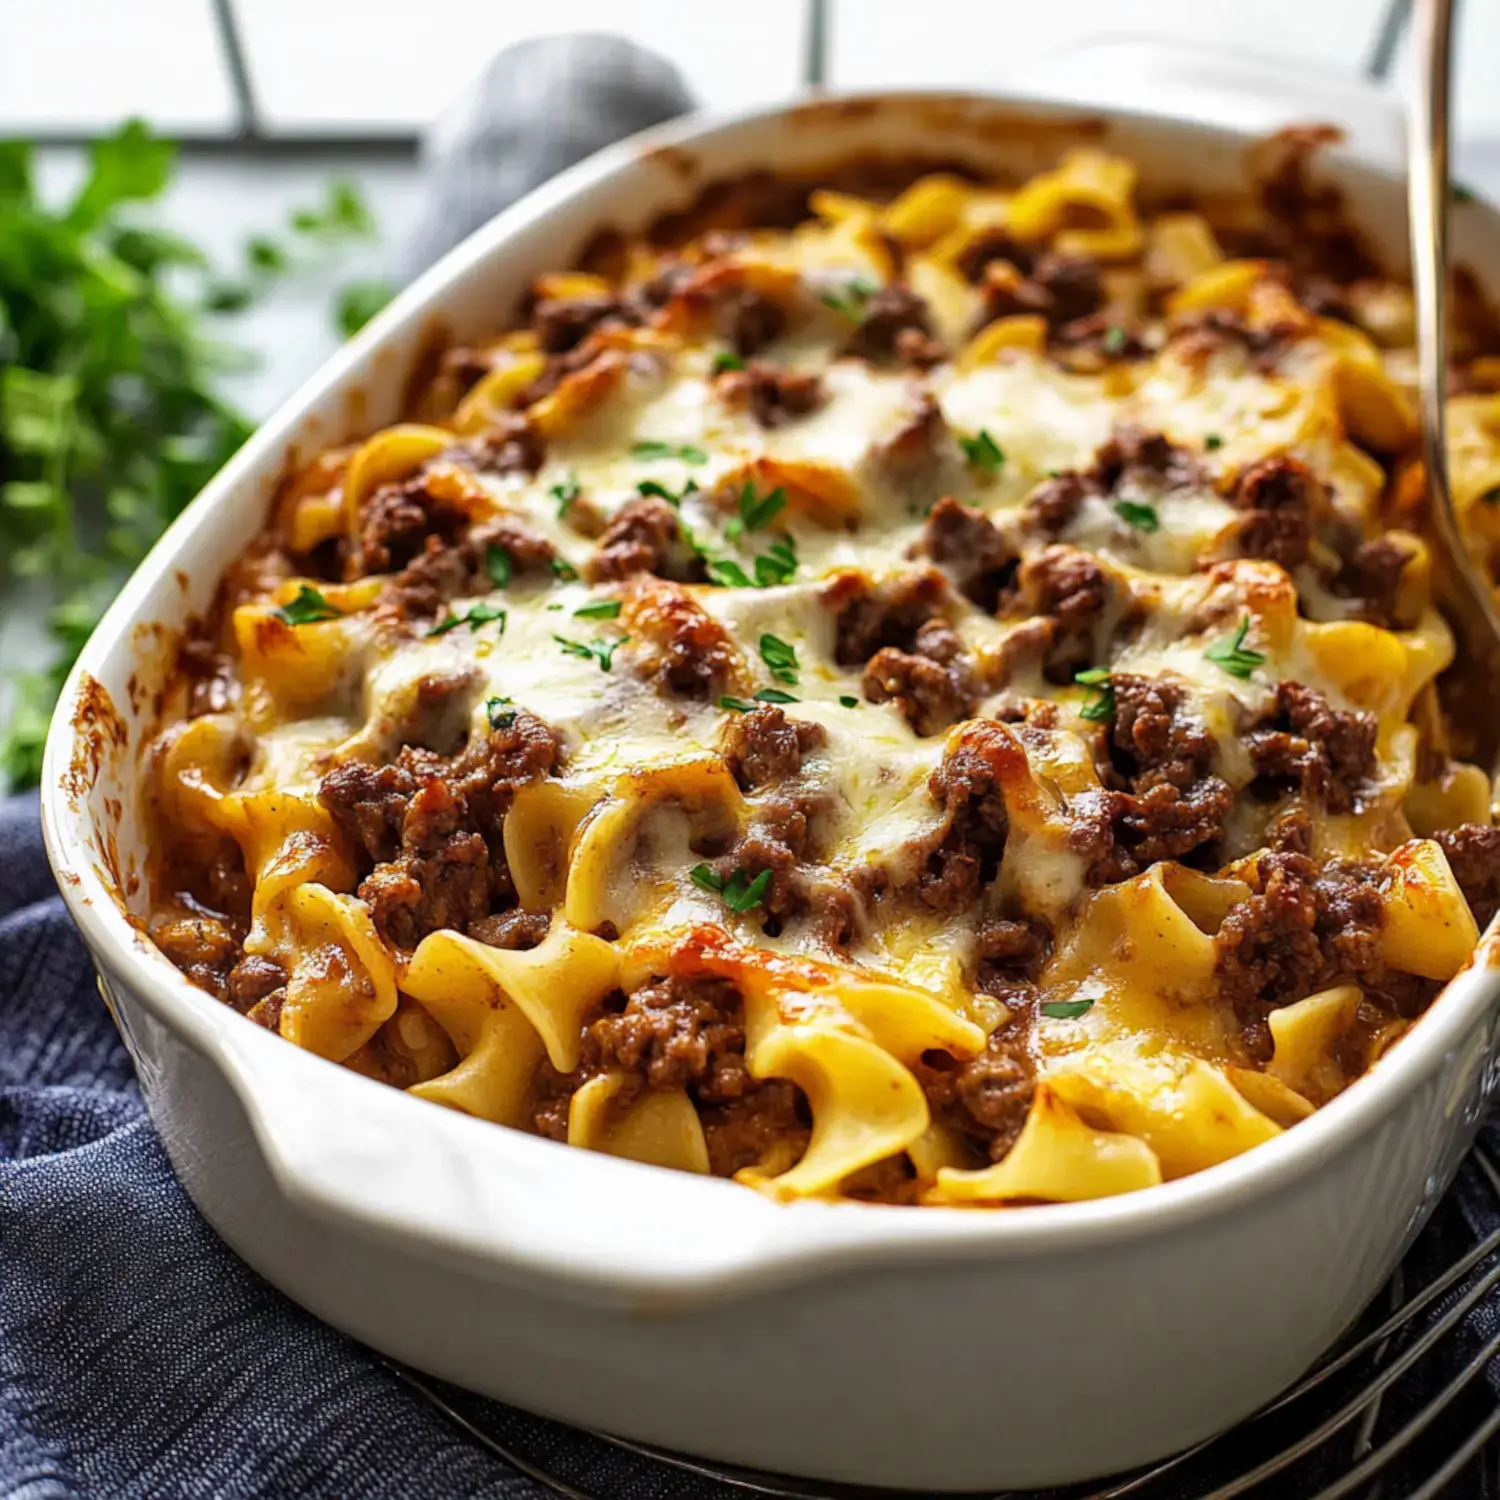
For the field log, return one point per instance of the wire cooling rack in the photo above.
(1398, 1411)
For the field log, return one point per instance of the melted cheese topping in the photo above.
(787, 516)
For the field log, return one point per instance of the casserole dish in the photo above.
(939, 1350)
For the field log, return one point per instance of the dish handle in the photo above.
(362, 1154)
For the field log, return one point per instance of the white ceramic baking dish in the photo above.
(937, 1349)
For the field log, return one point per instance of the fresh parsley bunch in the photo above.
(109, 417)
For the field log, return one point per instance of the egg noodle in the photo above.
(930, 704)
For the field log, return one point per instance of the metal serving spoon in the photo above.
(1472, 684)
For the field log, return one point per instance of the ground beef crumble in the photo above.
(774, 395)
(971, 549)
(984, 1099)
(683, 1034)
(1071, 589)
(1326, 754)
(1146, 464)
(967, 857)
(678, 646)
(763, 747)
(934, 684)
(1172, 805)
(644, 536)
(895, 326)
(1473, 850)
(1304, 929)
(429, 827)
(1279, 498)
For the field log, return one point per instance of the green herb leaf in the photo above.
(307, 608)
(740, 896)
(775, 695)
(651, 448)
(657, 488)
(499, 712)
(265, 255)
(498, 565)
(358, 302)
(1141, 517)
(983, 452)
(565, 492)
(780, 657)
(112, 416)
(728, 574)
(475, 616)
(598, 609)
(129, 166)
(727, 359)
(601, 651)
(848, 700)
(706, 879)
(1233, 656)
(1099, 704)
(736, 705)
(563, 569)
(850, 299)
(1115, 340)
(776, 565)
(755, 512)
(1212, 443)
(1065, 1010)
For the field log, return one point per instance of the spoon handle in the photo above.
(1474, 682)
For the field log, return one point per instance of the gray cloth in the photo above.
(538, 107)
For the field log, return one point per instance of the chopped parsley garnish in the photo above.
(728, 574)
(727, 359)
(475, 616)
(1462, 194)
(1212, 443)
(655, 487)
(1492, 495)
(565, 494)
(1141, 517)
(651, 448)
(780, 657)
(601, 651)
(307, 608)
(1115, 339)
(499, 712)
(1065, 1010)
(749, 705)
(497, 565)
(740, 893)
(847, 700)
(562, 568)
(755, 511)
(774, 566)
(983, 451)
(1233, 656)
(598, 609)
(777, 564)
(1099, 706)
(851, 298)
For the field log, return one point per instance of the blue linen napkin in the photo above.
(138, 1356)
